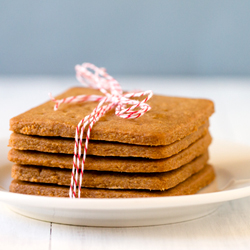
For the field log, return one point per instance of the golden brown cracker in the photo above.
(104, 148)
(116, 164)
(111, 180)
(169, 120)
(190, 186)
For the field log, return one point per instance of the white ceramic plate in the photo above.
(231, 162)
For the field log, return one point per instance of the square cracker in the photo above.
(169, 120)
(103, 148)
(190, 186)
(110, 180)
(116, 164)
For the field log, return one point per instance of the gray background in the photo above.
(200, 38)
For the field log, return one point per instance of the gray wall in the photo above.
(210, 37)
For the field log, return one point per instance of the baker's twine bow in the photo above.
(97, 78)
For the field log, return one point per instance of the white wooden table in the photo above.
(227, 228)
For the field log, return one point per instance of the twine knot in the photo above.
(125, 107)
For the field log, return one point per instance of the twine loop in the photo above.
(125, 107)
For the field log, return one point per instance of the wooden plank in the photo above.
(19, 232)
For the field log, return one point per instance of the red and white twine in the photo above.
(97, 78)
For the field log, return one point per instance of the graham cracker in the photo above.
(190, 186)
(169, 120)
(116, 164)
(110, 180)
(103, 148)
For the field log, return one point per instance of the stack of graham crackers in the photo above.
(162, 153)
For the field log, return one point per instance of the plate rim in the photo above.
(128, 203)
